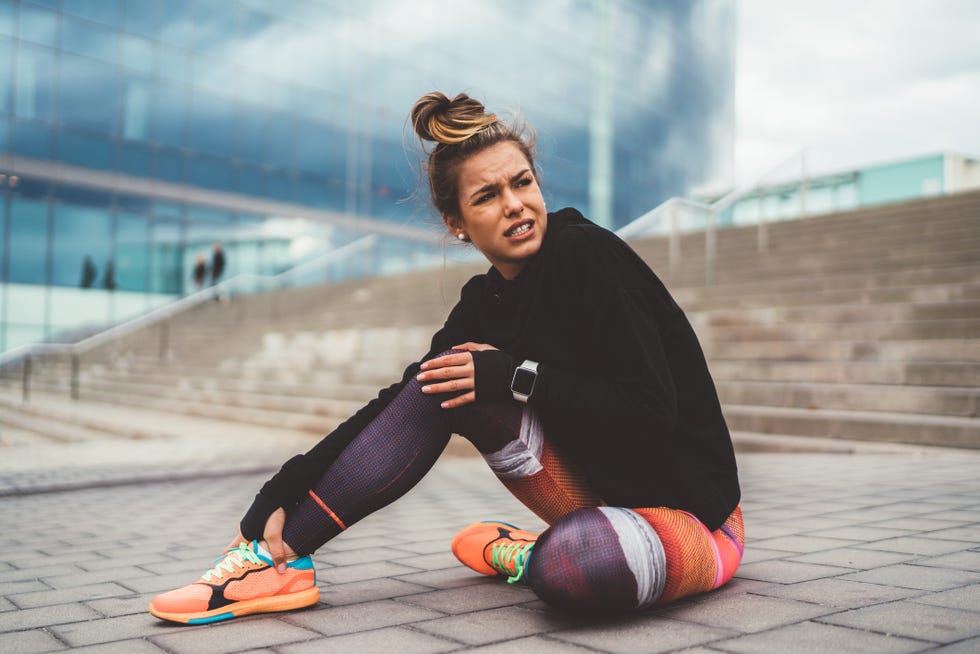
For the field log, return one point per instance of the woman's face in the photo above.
(502, 211)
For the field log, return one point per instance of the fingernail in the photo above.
(445, 405)
(281, 568)
(419, 377)
(426, 389)
(424, 365)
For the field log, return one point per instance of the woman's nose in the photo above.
(512, 203)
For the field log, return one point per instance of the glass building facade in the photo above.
(135, 133)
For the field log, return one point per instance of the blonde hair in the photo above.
(458, 128)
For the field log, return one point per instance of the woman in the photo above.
(570, 368)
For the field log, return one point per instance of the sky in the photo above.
(854, 82)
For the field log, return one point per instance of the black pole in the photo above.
(74, 376)
(164, 338)
(26, 387)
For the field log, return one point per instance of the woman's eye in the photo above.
(524, 181)
(483, 198)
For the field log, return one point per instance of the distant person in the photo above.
(89, 273)
(217, 263)
(109, 278)
(571, 369)
(200, 272)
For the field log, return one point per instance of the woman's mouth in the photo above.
(520, 229)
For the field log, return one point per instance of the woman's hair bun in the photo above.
(438, 119)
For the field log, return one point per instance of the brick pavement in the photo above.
(845, 553)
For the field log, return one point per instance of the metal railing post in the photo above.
(74, 376)
(710, 249)
(804, 184)
(26, 382)
(164, 339)
(762, 225)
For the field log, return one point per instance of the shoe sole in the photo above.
(245, 607)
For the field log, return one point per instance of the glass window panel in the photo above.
(132, 251)
(88, 39)
(311, 191)
(82, 245)
(168, 110)
(35, 79)
(314, 144)
(251, 181)
(166, 272)
(137, 53)
(169, 166)
(6, 73)
(81, 195)
(135, 158)
(38, 25)
(278, 141)
(140, 16)
(165, 208)
(133, 204)
(82, 149)
(177, 24)
(249, 133)
(174, 62)
(88, 94)
(197, 213)
(211, 124)
(136, 109)
(278, 186)
(4, 135)
(32, 139)
(100, 11)
(26, 308)
(29, 240)
(212, 173)
(7, 17)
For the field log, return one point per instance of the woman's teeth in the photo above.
(520, 229)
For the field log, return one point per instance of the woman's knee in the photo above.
(598, 560)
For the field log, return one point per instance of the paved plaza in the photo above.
(873, 551)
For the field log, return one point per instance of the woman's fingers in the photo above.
(451, 386)
(473, 347)
(273, 539)
(454, 359)
(235, 541)
(465, 398)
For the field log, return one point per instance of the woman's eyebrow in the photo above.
(492, 185)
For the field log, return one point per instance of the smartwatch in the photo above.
(524, 378)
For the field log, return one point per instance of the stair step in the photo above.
(856, 425)
(940, 373)
(963, 402)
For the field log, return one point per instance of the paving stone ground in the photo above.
(845, 553)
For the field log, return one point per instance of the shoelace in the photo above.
(232, 559)
(511, 556)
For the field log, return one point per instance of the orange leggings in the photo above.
(688, 559)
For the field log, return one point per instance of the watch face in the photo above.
(523, 381)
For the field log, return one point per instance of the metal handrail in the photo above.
(26, 353)
(639, 226)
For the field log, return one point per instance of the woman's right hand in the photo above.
(271, 539)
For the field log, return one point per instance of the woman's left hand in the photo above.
(452, 373)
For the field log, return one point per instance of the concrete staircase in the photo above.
(857, 326)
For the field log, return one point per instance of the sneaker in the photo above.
(493, 548)
(243, 581)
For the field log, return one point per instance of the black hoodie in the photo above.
(622, 381)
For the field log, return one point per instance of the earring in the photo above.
(461, 236)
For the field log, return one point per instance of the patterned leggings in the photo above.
(591, 558)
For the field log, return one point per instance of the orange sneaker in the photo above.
(493, 548)
(243, 581)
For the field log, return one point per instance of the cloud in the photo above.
(855, 83)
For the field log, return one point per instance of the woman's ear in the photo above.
(451, 222)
